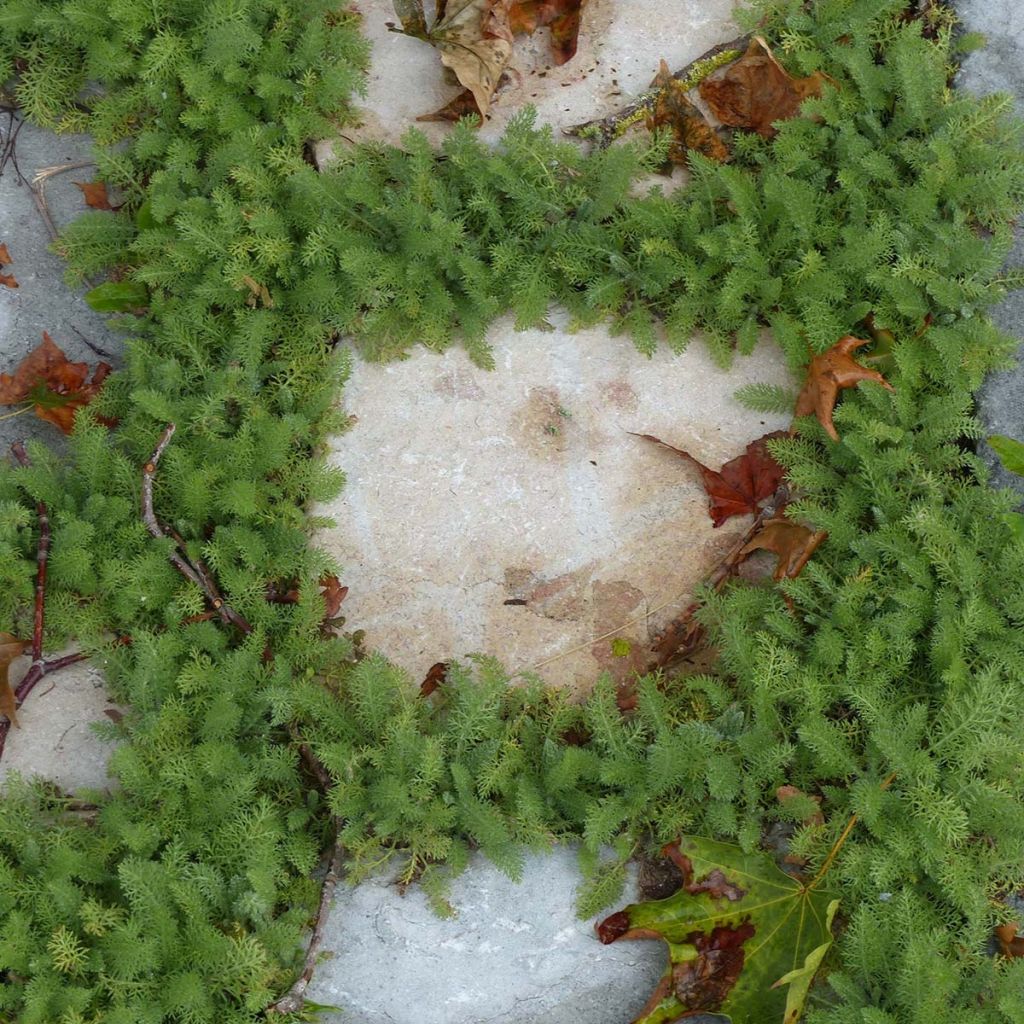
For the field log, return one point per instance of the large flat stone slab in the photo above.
(513, 512)
(516, 954)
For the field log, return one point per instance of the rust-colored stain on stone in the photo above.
(511, 512)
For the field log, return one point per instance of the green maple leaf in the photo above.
(744, 938)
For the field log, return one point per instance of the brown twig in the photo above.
(39, 668)
(607, 129)
(294, 999)
(42, 558)
(192, 569)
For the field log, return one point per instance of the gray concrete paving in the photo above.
(1000, 68)
(43, 301)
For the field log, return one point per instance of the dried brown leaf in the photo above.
(756, 91)
(95, 193)
(57, 387)
(791, 543)
(827, 374)
(673, 110)
(741, 484)
(10, 648)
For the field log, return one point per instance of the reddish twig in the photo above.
(42, 558)
(39, 668)
(192, 569)
(294, 999)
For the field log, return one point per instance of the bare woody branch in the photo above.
(293, 1000)
(192, 569)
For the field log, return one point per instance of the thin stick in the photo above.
(843, 836)
(193, 570)
(294, 999)
(42, 558)
(607, 129)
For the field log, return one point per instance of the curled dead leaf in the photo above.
(829, 372)
(10, 648)
(690, 128)
(436, 675)
(7, 280)
(1010, 942)
(57, 387)
(95, 193)
(756, 91)
(561, 16)
(791, 543)
(741, 484)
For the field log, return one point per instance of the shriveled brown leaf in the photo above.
(10, 648)
(1010, 943)
(690, 128)
(791, 543)
(462, 105)
(333, 594)
(7, 280)
(827, 374)
(741, 484)
(412, 17)
(787, 792)
(95, 193)
(561, 16)
(436, 675)
(756, 91)
(475, 41)
(57, 387)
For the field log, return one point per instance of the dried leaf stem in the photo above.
(192, 569)
(294, 999)
(39, 668)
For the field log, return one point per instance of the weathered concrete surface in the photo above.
(516, 954)
(42, 301)
(620, 45)
(56, 739)
(512, 512)
(1000, 68)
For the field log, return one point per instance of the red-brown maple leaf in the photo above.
(741, 484)
(57, 387)
(827, 374)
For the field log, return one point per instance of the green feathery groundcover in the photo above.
(900, 649)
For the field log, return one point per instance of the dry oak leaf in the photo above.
(7, 280)
(690, 128)
(56, 387)
(791, 543)
(561, 16)
(333, 594)
(436, 675)
(744, 939)
(10, 648)
(95, 193)
(1010, 943)
(475, 41)
(741, 484)
(756, 91)
(826, 374)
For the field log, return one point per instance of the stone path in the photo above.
(516, 954)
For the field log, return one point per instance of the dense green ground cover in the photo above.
(900, 649)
